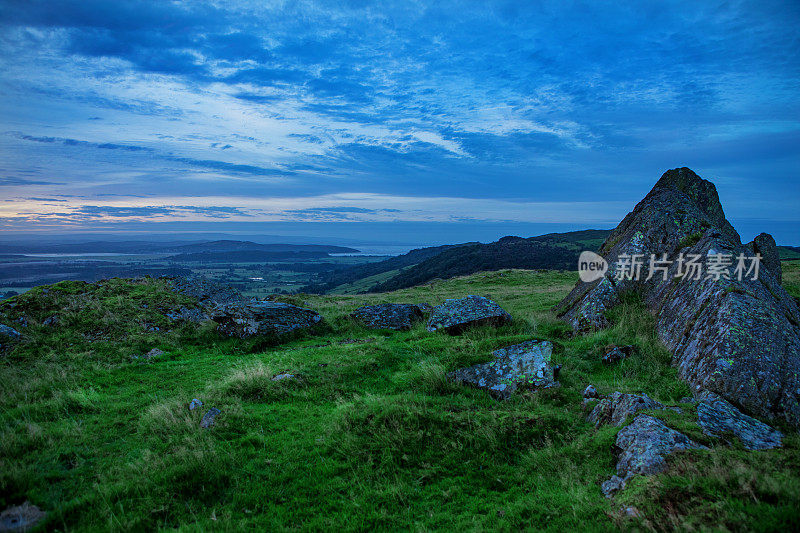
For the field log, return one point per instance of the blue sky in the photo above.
(116, 114)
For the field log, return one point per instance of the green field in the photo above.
(371, 437)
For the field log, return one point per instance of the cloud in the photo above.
(545, 101)
(9, 181)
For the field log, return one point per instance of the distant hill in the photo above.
(788, 253)
(174, 247)
(248, 256)
(557, 251)
(247, 246)
(554, 251)
(331, 280)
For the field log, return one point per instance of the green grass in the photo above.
(372, 435)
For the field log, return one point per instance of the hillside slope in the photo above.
(370, 436)
(554, 251)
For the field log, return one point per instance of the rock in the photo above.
(718, 418)
(195, 404)
(687, 399)
(51, 321)
(456, 315)
(155, 352)
(282, 376)
(525, 365)
(186, 314)
(644, 446)
(425, 307)
(21, 518)
(208, 419)
(249, 318)
(616, 408)
(590, 392)
(737, 338)
(208, 293)
(8, 337)
(614, 354)
(398, 317)
(765, 245)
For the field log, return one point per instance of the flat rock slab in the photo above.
(719, 418)
(398, 317)
(456, 315)
(21, 518)
(644, 446)
(525, 365)
(616, 408)
(249, 318)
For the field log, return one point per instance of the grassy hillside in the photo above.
(371, 437)
(556, 251)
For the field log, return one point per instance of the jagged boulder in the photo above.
(739, 338)
(643, 448)
(616, 408)
(456, 315)
(249, 318)
(719, 418)
(398, 317)
(208, 293)
(526, 365)
(765, 245)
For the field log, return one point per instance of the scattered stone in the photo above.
(282, 376)
(735, 337)
(456, 315)
(688, 399)
(186, 314)
(398, 317)
(614, 354)
(51, 321)
(526, 365)
(20, 518)
(718, 418)
(208, 419)
(590, 392)
(8, 337)
(644, 446)
(195, 404)
(616, 408)
(155, 352)
(631, 512)
(249, 318)
(208, 293)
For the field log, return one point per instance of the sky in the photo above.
(244, 116)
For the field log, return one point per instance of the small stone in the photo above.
(614, 354)
(282, 376)
(155, 352)
(195, 404)
(590, 392)
(21, 518)
(208, 419)
(616, 408)
(50, 321)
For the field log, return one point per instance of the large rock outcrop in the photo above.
(719, 418)
(739, 338)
